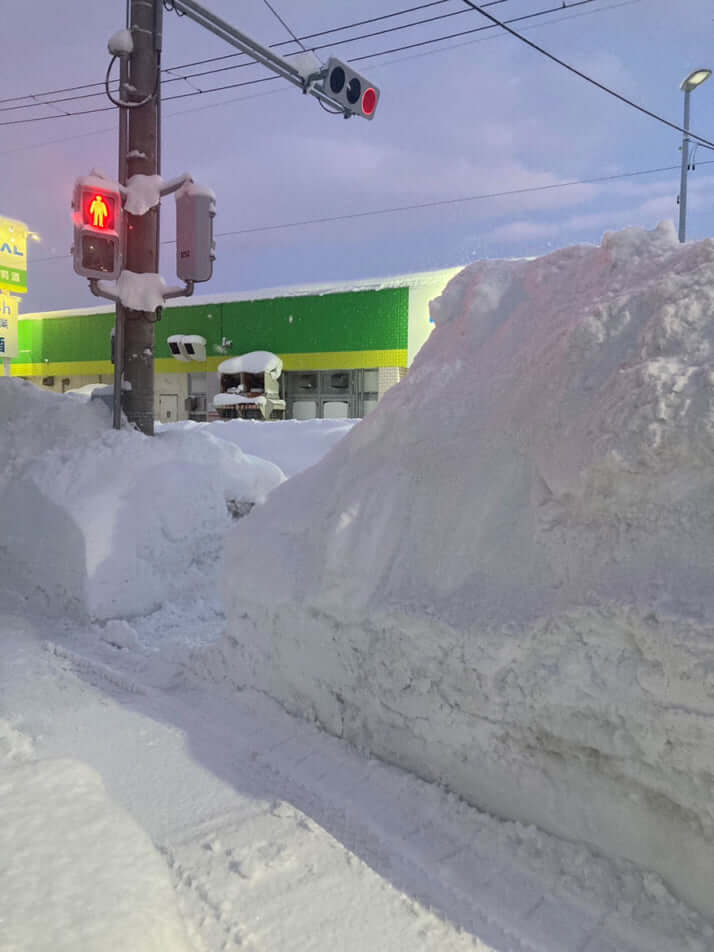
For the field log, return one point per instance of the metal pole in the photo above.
(120, 318)
(685, 166)
(142, 251)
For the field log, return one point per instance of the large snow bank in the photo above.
(503, 580)
(107, 523)
(76, 871)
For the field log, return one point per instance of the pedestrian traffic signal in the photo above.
(355, 94)
(195, 247)
(98, 217)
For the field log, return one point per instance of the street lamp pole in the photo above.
(691, 82)
(685, 168)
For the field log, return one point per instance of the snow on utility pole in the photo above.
(116, 224)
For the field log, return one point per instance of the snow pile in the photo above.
(111, 523)
(76, 871)
(256, 362)
(142, 192)
(141, 292)
(293, 445)
(121, 43)
(189, 187)
(233, 399)
(503, 580)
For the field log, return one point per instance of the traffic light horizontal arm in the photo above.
(260, 53)
(96, 289)
(185, 291)
(237, 38)
(174, 184)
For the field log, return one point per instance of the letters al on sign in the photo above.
(13, 256)
(8, 323)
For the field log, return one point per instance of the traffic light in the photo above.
(98, 218)
(355, 94)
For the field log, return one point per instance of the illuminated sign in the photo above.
(8, 325)
(13, 256)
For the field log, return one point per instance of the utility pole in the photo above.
(120, 319)
(142, 239)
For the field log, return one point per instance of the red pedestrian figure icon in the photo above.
(99, 211)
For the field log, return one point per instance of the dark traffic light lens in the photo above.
(337, 79)
(97, 253)
(354, 91)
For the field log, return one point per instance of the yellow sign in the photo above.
(8, 325)
(13, 256)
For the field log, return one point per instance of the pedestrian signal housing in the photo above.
(355, 94)
(195, 247)
(98, 218)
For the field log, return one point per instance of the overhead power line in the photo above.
(239, 99)
(99, 86)
(539, 49)
(251, 82)
(463, 199)
(450, 201)
(281, 21)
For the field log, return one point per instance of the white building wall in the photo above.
(423, 290)
(167, 386)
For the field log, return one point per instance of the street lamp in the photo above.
(691, 82)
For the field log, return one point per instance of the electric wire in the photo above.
(463, 199)
(250, 62)
(283, 90)
(251, 82)
(280, 20)
(539, 49)
(216, 59)
(366, 36)
(239, 99)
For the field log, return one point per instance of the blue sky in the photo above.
(464, 117)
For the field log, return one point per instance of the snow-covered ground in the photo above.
(293, 446)
(154, 796)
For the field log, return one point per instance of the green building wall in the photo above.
(346, 330)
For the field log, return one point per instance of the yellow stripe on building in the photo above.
(65, 368)
(328, 360)
(344, 360)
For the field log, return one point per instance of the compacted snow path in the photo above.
(278, 836)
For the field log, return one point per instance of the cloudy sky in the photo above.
(459, 119)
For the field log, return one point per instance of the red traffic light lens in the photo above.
(98, 210)
(369, 101)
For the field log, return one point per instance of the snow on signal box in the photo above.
(98, 219)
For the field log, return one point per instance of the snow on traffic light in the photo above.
(355, 94)
(98, 217)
